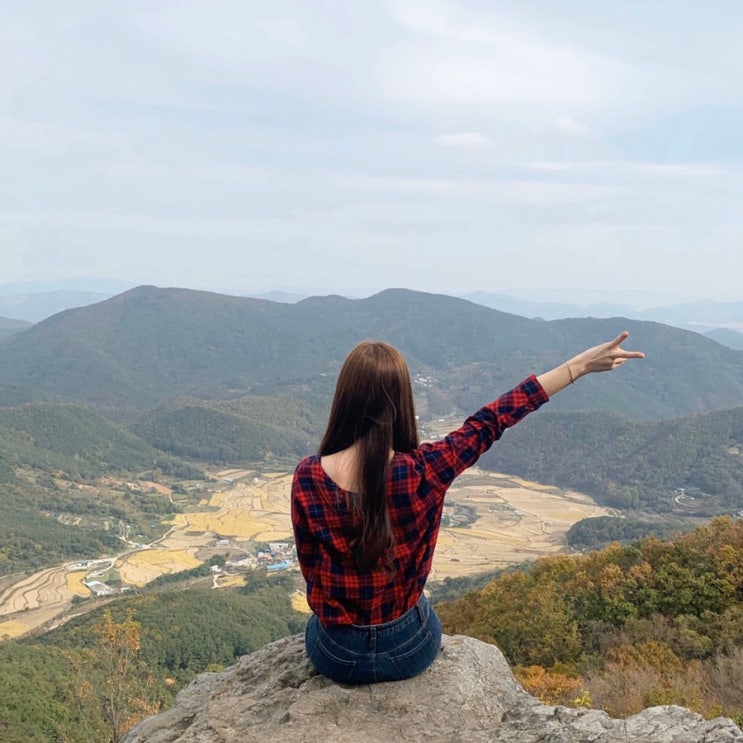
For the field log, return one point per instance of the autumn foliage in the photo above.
(114, 688)
(630, 626)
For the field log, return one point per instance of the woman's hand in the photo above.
(604, 357)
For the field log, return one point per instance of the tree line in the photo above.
(99, 674)
(630, 626)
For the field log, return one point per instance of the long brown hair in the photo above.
(373, 405)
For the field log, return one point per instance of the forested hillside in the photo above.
(102, 672)
(246, 429)
(625, 628)
(148, 345)
(690, 466)
(56, 503)
(69, 438)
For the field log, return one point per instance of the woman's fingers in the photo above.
(617, 342)
(620, 339)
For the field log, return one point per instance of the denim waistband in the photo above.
(417, 613)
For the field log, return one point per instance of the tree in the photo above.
(114, 689)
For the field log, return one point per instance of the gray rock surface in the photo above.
(469, 694)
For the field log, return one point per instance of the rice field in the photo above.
(230, 581)
(515, 521)
(299, 602)
(511, 520)
(75, 585)
(11, 629)
(139, 568)
(236, 522)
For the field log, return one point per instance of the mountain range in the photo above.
(146, 346)
(723, 321)
(162, 375)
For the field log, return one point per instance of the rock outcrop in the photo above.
(469, 694)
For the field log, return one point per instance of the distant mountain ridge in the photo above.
(149, 345)
(729, 338)
(723, 321)
(35, 300)
(9, 326)
(40, 305)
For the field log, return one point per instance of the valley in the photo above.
(490, 520)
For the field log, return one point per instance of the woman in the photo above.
(366, 510)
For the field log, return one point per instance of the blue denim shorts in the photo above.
(356, 654)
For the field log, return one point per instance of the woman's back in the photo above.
(367, 509)
(341, 589)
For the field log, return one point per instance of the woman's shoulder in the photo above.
(406, 464)
(306, 464)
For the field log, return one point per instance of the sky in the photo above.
(589, 146)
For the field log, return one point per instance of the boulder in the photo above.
(469, 694)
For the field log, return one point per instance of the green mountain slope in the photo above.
(729, 338)
(630, 464)
(150, 345)
(242, 430)
(54, 503)
(54, 687)
(67, 437)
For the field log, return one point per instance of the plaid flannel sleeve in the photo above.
(446, 459)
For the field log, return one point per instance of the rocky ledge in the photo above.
(469, 694)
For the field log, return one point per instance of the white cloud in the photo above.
(462, 139)
(568, 126)
(466, 53)
(612, 168)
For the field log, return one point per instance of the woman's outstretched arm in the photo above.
(604, 357)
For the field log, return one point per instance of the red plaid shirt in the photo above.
(339, 591)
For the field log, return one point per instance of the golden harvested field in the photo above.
(233, 474)
(75, 585)
(256, 511)
(139, 568)
(11, 629)
(514, 520)
(217, 499)
(46, 587)
(230, 581)
(237, 522)
(299, 602)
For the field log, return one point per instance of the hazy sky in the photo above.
(338, 145)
